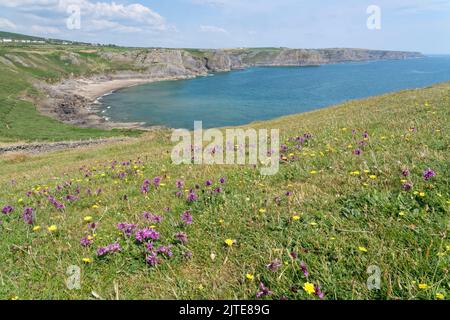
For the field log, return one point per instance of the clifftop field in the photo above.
(364, 184)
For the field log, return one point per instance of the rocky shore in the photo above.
(75, 100)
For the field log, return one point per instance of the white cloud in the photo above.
(96, 15)
(7, 24)
(213, 29)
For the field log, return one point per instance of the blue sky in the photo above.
(416, 25)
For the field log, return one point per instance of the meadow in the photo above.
(23, 65)
(361, 184)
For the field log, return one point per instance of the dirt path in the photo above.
(41, 147)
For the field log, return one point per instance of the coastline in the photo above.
(76, 101)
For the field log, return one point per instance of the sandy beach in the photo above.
(76, 101)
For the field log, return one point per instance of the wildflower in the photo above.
(126, 228)
(152, 259)
(7, 209)
(296, 217)
(28, 215)
(428, 174)
(318, 292)
(401, 213)
(187, 255)
(36, 228)
(152, 217)
(304, 268)
(165, 250)
(179, 184)
(373, 177)
(423, 286)
(440, 296)
(145, 234)
(405, 172)
(192, 196)
(87, 260)
(362, 249)
(145, 186)
(309, 288)
(357, 152)
(186, 217)
(422, 194)
(229, 242)
(274, 265)
(407, 186)
(313, 172)
(86, 241)
(87, 219)
(263, 291)
(262, 210)
(182, 237)
(222, 180)
(52, 228)
(208, 183)
(249, 276)
(111, 248)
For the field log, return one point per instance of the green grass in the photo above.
(405, 232)
(19, 118)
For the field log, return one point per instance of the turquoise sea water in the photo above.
(243, 96)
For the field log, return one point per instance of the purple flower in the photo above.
(186, 217)
(192, 196)
(86, 241)
(149, 246)
(179, 194)
(218, 190)
(28, 215)
(180, 184)
(318, 292)
(182, 237)
(145, 234)
(187, 255)
(152, 259)
(152, 217)
(126, 228)
(165, 250)
(7, 209)
(274, 265)
(111, 248)
(407, 186)
(263, 291)
(156, 181)
(357, 152)
(304, 268)
(365, 135)
(208, 183)
(405, 172)
(428, 174)
(145, 186)
(70, 198)
(222, 180)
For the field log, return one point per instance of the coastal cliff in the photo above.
(194, 62)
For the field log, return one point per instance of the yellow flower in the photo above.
(14, 298)
(401, 213)
(440, 296)
(87, 219)
(249, 276)
(362, 249)
(422, 194)
(448, 248)
(366, 171)
(95, 206)
(229, 242)
(313, 224)
(355, 173)
(423, 286)
(309, 288)
(221, 221)
(373, 177)
(36, 228)
(20, 200)
(296, 217)
(52, 228)
(262, 210)
(313, 172)
(87, 260)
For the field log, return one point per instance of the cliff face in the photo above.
(185, 62)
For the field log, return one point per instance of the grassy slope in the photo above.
(339, 212)
(19, 119)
